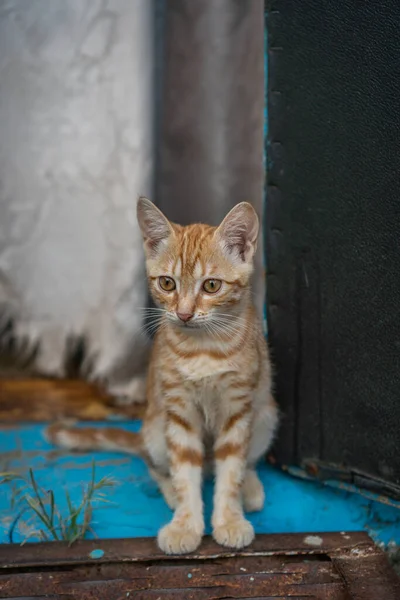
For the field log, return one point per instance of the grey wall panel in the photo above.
(211, 153)
(333, 236)
(76, 149)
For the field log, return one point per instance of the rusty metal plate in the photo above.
(333, 566)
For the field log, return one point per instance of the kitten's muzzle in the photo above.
(185, 317)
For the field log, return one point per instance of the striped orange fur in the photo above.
(209, 384)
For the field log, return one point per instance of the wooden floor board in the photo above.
(330, 566)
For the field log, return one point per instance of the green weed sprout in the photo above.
(75, 524)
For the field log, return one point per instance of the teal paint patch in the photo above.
(135, 507)
(96, 554)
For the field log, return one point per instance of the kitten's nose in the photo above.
(185, 317)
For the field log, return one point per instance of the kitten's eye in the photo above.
(167, 284)
(211, 286)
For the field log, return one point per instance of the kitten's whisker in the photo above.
(230, 323)
(152, 324)
(228, 328)
(231, 317)
(216, 331)
(215, 334)
(213, 331)
(232, 326)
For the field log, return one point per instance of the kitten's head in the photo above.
(199, 275)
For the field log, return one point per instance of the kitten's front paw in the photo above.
(178, 539)
(236, 533)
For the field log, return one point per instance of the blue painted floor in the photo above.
(136, 508)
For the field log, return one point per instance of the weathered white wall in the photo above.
(76, 147)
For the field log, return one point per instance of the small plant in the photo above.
(28, 495)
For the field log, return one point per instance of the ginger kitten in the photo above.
(209, 381)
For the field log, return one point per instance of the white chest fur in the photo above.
(207, 396)
(203, 366)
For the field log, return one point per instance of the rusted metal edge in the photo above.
(315, 472)
(145, 549)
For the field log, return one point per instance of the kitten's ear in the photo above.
(238, 232)
(154, 226)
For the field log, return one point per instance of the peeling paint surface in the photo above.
(313, 540)
(98, 553)
(135, 507)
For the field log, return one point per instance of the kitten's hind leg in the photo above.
(262, 436)
(166, 487)
(252, 492)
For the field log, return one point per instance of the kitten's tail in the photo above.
(67, 436)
